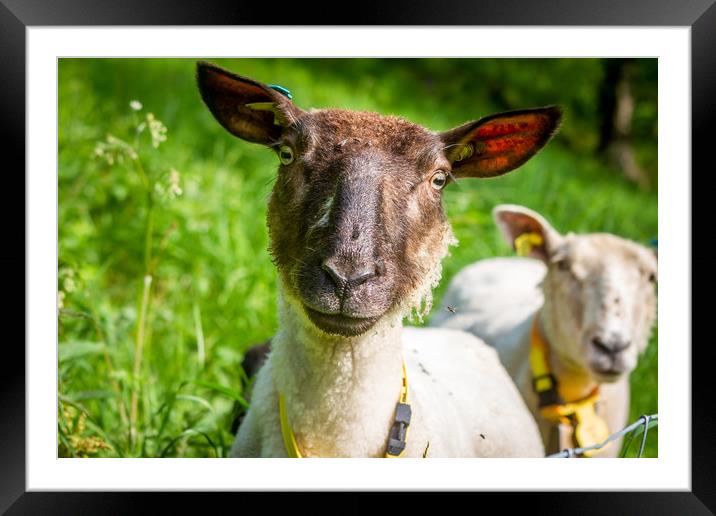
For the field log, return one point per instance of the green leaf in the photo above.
(196, 399)
(91, 395)
(226, 391)
(636, 433)
(187, 433)
(77, 349)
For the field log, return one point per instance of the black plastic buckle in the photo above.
(550, 396)
(396, 440)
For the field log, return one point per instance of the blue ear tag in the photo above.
(283, 91)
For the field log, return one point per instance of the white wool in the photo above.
(341, 393)
(416, 306)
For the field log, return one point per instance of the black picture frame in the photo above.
(17, 15)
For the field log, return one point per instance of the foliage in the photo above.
(164, 278)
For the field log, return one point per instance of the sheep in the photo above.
(590, 297)
(357, 233)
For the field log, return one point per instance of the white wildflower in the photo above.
(157, 129)
(69, 284)
(135, 105)
(174, 188)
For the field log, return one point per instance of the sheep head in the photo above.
(599, 290)
(355, 217)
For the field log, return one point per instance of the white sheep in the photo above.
(342, 395)
(593, 299)
(358, 233)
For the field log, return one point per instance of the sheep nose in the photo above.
(611, 346)
(346, 272)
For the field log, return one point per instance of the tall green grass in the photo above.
(164, 274)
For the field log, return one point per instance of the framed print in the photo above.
(191, 296)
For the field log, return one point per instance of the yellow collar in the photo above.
(589, 428)
(397, 440)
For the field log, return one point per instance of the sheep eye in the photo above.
(563, 265)
(285, 154)
(650, 275)
(438, 180)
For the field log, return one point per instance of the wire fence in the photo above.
(640, 426)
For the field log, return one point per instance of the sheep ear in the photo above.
(497, 144)
(246, 108)
(527, 231)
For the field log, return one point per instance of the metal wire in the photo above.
(643, 420)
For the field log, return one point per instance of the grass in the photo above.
(164, 274)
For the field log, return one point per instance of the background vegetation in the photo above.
(164, 276)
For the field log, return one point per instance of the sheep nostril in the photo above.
(362, 276)
(620, 346)
(344, 274)
(601, 346)
(612, 347)
(333, 272)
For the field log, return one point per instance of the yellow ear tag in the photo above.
(526, 242)
(591, 429)
(466, 151)
(268, 106)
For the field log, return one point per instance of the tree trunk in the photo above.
(617, 107)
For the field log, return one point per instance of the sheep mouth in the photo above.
(607, 375)
(339, 324)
